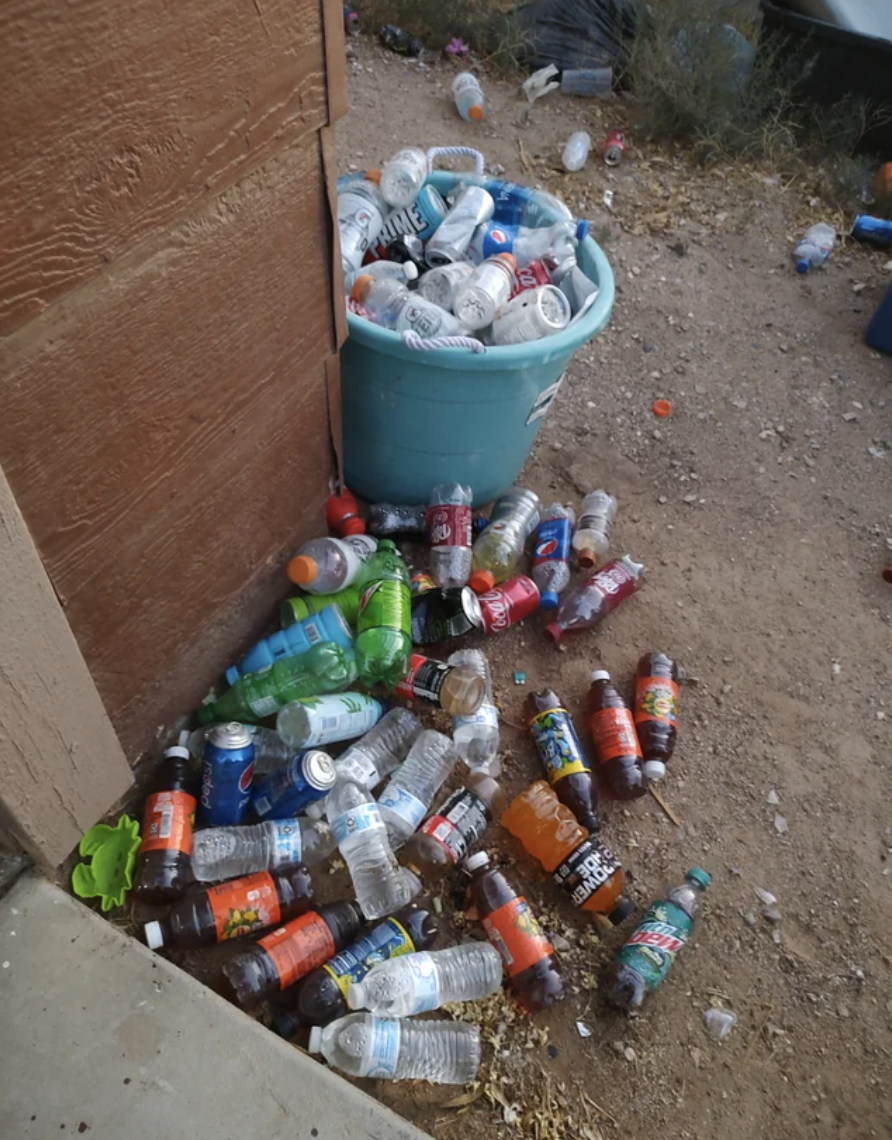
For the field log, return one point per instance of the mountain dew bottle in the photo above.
(384, 638)
(299, 609)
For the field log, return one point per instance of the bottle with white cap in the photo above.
(615, 740)
(403, 176)
(225, 852)
(416, 983)
(404, 272)
(531, 315)
(485, 291)
(441, 285)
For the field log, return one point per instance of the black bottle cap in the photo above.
(621, 911)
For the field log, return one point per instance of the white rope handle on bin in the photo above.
(412, 340)
(456, 152)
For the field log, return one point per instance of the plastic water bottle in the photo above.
(815, 248)
(403, 176)
(534, 314)
(551, 553)
(576, 151)
(402, 271)
(404, 802)
(496, 552)
(328, 625)
(485, 291)
(384, 640)
(361, 214)
(326, 720)
(361, 1045)
(380, 884)
(229, 852)
(450, 534)
(592, 538)
(468, 96)
(476, 736)
(441, 285)
(324, 565)
(391, 305)
(270, 750)
(415, 983)
(385, 519)
(369, 760)
(557, 241)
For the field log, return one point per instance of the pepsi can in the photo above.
(875, 230)
(490, 239)
(304, 779)
(227, 768)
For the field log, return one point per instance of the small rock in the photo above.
(560, 943)
(697, 1058)
(836, 668)
(780, 825)
(772, 798)
(619, 1048)
(629, 1054)
(849, 416)
(880, 714)
(860, 287)
(749, 918)
(843, 1010)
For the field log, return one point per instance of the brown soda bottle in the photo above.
(164, 863)
(286, 954)
(445, 838)
(234, 909)
(656, 709)
(615, 740)
(513, 930)
(562, 756)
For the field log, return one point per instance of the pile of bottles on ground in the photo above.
(346, 649)
(489, 262)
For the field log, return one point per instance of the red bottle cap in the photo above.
(553, 632)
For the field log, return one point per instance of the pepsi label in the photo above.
(490, 239)
(552, 542)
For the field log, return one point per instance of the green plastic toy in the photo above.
(113, 853)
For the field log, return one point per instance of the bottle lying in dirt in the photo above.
(645, 959)
(164, 863)
(446, 838)
(551, 554)
(297, 609)
(591, 601)
(592, 539)
(476, 735)
(420, 982)
(361, 1045)
(449, 532)
(322, 995)
(615, 741)
(233, 910)
(326, 720)
(227, 852)
(280, 958)
(656, 710)
(496, 552)
(325, 565)
(815, 247)
(412, 787)
(580, 865)
(455, 689)
(385, 519)
(512, 929)
(562, 756)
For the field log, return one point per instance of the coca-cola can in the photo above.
(508, 604)
(615, 147)
(530, 276)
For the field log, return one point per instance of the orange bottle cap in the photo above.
(362, 286)
(373, 175)
(481, 581)
(302, 569)
(661, 408)
(553, 632)
(509, 259)
(587, 558)
(475, 113)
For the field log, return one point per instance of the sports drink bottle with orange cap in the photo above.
(325, 565)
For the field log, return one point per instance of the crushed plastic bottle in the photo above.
(576, 151)
(496, 552)
(590, 602)
(404, 802)
(556, 242)
(485, 291)
(391, 305)
(230, 852)
(477, 736)
(403, 176)
(468, 96)
(592, 538)
(384, 630)
(416, 983)
(449, 533)
(551, 553)
(815, 247)
(328, 564)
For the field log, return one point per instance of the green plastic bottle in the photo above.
(326, 668)
(296, 609)
(384, 637)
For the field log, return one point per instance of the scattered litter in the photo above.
(772, 798)
(608, 199)
(780, 825)
(541, 82)
(815, 248)
(877, 231)
(876, 452)
(582, 1029)
(719, 1023)
(661, 408)
(614, 147)
(765, 897)
(402, 42)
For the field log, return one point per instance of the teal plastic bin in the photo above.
(414, 419)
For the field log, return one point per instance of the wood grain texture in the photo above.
(118, 119)
(335, 59)
(61, 765)
(165, 433)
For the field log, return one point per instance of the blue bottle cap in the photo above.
(699, 876)
(582, 228)
(802, 266)
(232, 675)
(548, 600)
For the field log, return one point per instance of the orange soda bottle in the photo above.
(580, 865)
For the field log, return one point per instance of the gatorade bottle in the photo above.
(565, 764)
(468, 96)
(615, 740)
(384, 642)
(322, 995)
(512, 929)
(328, 564)
(656, 708)
(233, 910)
(445, 838)
(164, 864)
(280, 958)
(298, 609)
(581, 866)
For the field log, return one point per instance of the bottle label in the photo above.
(656, 698)
(339, 717)
(245, 905)
(449, 526)
(613, 582)
(459, 823)
(403, 804)
(384, 1049)
(288, 843)
(359, 769)
(517, 936)
(426, 984)
(167, 822)
(424, 680)
(262, 706)
(298, 947)
(386, 605)
(585, 870)
(558, 744)
(652, 948)
(552, 542)
(487, 715)
(388, 940)
(363, 817)
(613, 733)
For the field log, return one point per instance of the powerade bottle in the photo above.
(551, 553)
(384, 640)
(646, 958)
(329, 624)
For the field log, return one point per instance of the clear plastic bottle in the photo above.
(441, 285)
(496, 552)
(328, 564)
(361, 1045)
(404, 802)
(230, 852)
(416, 983)
(485, 291)
(403, 176)
(551, 553)
(391, 305)
(476, 736)
(576, 151)
(450, 534)
(557, 241)
(361, 214)
(447, 836)
(384, 630)
(468, 96)
(532, 315)
(591, 601)
(380, 884)
(452, 688)
(270, 750)
(385, 519)
(402, 271)
(592, 538)
(815, 247)
(326, 720)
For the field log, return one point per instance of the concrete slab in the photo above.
(101, 1037)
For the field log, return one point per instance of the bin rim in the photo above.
(500, 358)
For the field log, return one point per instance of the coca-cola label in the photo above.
(508, 604)
(529, 276)
(425, 679)
(449, 526)
(585, 870)
(552, 542)
(459, 823)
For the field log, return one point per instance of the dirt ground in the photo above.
(761, 508)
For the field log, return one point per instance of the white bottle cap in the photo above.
(478, 859)
(315, 1043)
(410, 269)
(176, 750)
(154, 935)
(356, 996)
(654, 770)
(600, 675)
